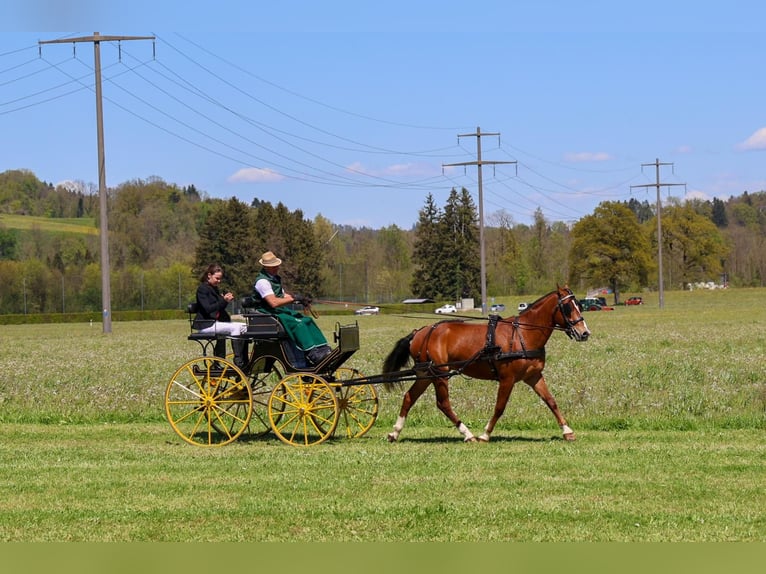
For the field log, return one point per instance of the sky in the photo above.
(353, 110)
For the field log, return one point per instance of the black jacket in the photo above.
(211, 306)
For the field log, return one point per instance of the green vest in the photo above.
(276, 286)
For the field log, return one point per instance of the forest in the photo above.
(161, 236)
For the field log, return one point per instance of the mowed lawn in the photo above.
(668, 406)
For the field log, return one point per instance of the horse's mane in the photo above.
(536, 301)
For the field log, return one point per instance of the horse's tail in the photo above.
(397, 358)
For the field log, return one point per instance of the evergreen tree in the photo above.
(463, 257)
(427, 251)
(224, 239)
(642, 209)
(719, 213)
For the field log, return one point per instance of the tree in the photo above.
(719, 213)
(427, 251)
(642, 209)
(609, 247)
(225, 238)
(460, 263)
(693, 243)
(8, 243)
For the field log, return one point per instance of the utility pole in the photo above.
(658, 185)
(479, 162)
(106, 290)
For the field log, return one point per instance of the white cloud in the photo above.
(582, 156)
(255, 175)
(697, 194)
(73, 186)
(684, 149)
(755, 141)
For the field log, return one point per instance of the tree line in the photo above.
(161, 236)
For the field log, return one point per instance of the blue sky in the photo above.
(351, 109)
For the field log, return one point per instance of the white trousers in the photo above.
(231, 329)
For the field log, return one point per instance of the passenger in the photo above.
(212, 316)
(270, 297)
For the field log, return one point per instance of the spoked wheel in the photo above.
(303, 410)
(265, 375)
(358, 404)
(208, 402)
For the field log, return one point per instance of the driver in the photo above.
(269, 297)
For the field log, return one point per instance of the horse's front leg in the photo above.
(410, 398)
(504, 389)
(541, 388)
(443, 404)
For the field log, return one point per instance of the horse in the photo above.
(506, 350)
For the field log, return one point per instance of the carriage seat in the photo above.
(195, 335)
(260, 325)
(263, 325)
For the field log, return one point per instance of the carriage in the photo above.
(209, 401)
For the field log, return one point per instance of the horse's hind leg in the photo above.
(541, 388)
(443, 403)
(410, 398)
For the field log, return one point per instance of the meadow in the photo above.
(669, 407)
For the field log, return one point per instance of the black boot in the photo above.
(240, 348)
(317, 354)
(219, 350)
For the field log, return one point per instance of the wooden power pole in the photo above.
(479, 162)
(106, 290)
(658, 185)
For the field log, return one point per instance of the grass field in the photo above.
(669, 407)
(82, 225)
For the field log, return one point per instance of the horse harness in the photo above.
(491, 352)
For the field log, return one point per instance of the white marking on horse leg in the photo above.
(398, 426)
(567, 432)
(484, 437)
(467, 434)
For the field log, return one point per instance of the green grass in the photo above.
(668, 405)
(135, 482)
(81, 225)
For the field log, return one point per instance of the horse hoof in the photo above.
(471, 439)
(484, 439)
(569, 436)
(391, 437)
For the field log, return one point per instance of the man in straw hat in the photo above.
(271, 298)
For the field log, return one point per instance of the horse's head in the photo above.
(568, 315)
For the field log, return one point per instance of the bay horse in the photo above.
(505, 350)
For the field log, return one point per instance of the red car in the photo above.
(634, 301)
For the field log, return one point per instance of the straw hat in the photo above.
(268, 259)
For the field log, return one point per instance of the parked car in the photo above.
(446, 309)
(523, 306)
(634, 301)
(368, 310)
(593, 304)
(497, 308)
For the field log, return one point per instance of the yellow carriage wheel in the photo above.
(358, 404)
(208, 402)
(303, 409)
(265, 375)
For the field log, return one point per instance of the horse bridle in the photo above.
(570, 325)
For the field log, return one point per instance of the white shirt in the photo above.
(263, 287)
